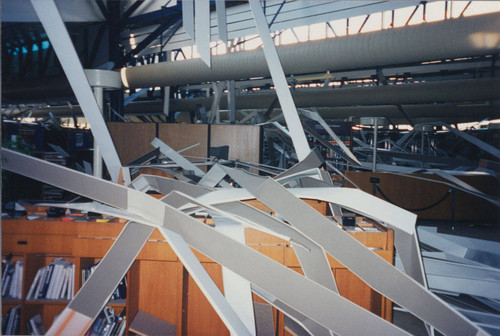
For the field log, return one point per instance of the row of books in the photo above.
(35, 326)
(10, 322)
(55, 281)
(12, 279)
(120, 291)
(108, 324)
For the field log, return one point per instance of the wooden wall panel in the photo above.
(132, 140)
(158, 292)
(243, 141)
(179, 136)
(413, 193)
(202, 320)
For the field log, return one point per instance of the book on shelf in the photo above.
(108, 323)
(35, 325)
(121, 290)
(54, 281)
(10, 322)
(12, 279)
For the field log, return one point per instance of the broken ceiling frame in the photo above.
(202, 238)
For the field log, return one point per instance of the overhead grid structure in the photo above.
(418, 75)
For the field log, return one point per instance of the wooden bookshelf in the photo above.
(158, 284)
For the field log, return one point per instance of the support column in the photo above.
(100, 80)
(99, 97)
(375, 139)
(231, 103)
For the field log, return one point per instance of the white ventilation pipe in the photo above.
(471, 36)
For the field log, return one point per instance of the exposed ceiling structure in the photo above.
(434, 71)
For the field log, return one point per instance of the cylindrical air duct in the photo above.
(471, 36)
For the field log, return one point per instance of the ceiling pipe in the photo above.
(479, 89)
(455, 38)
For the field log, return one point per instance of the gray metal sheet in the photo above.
(188, 17)
(70, 62)
(281, 85)
(96, 291)
(62, 177)
(202, 30)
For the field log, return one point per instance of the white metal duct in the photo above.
(477, 35)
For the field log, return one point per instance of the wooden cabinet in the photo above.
(158, 283)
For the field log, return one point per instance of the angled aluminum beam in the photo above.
(165, 185)
(314, 115)
(176, 157)
(220, 7)
(313, 328)
(61, 42)
(473, 140)
(237, 290)
(214, 111)
(202, 30)
(96, 291)
(188, 17)
(213, 177)
(281, 85)
(205, 283)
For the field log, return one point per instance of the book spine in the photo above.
(45, 282)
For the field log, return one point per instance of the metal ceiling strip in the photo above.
(63, 46)
(281, 85)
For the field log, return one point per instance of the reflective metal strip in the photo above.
(313, 328)
(237, 290)
(176, 157)
(96, 291)
(202, 30)
(70, 322)
(166, 185)
(281, 85)
(214, 177)
(311, 161)
(220, 7)
(61, 42)
(62, 177)
(205, 283)
(188, 17)
(314, 115)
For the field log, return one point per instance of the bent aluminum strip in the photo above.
(371, 268)
(96, 291)
(62, 177)
(165, 185)
(237, 290)
(202, 30)
(313, 328)
(205, 283)
(214, 177)
(61, 42)
(314, 115)
(281, 85)
(311, 161)
(220, 7)
(188, 17)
